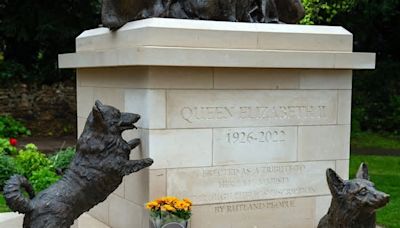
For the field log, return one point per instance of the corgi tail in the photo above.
(15, 199)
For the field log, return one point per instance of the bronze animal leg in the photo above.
(271, 12)
(110, 15)
(133, 166)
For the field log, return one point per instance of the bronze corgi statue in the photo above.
(116, 13)
(100, 163)
(354, 202)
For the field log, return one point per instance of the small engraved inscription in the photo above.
(252, 145)
(201, 113)
(254, 206)
(265, 136)
(249, 182)
(250, 108)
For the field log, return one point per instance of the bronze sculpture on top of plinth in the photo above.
(117, 13)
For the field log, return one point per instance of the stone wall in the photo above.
(44, 109)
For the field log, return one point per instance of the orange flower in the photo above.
(188, 201)
(152, 205)
(168, 208)
(182, 205)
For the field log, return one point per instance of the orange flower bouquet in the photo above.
(170, 210)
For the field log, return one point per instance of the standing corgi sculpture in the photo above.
(354, 202)
(100, 163)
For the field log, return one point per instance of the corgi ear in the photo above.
(97, 114)
(362, 172)
(98, 120)
(335, 183)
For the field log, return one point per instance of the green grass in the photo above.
(3, 206)
(374, 140)
(384, 171)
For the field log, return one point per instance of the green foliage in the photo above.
(63, 158)
(7, 169)
(376, 99)
(3, 205)
(11, 128)
(10, 70)
(32, 34)
(323, 11)
(375, 25)
(43, 178)
(384, 172)
(30, 159)
(6, 148)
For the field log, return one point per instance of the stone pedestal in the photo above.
(243, 119)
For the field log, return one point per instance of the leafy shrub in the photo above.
(376, 103)
(11, 69)
(31, 41)
(11, 128)
(43, 178)
(63, 158)
(6, 147)
(7, 169)
(30, 159)
(323, 11)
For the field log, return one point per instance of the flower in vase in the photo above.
(170, 208)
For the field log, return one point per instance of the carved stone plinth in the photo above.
(242, 118)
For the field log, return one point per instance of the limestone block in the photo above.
(213, 34)
(170, 32)
(180, 77)
(232, 78)
(150, 105)
(101, 211)
(216, 57)
(137, 187)
(120, 191)
(342, 168)
(113, 77)
(84, 100)
(146, 220)
(324, 142)
(124, 214)
(254, 145)
(249, 182)
(282, 213)
(110, 96)
(81, 125)
(138, 152)
(304, 41)
(250, 108)
(344, 107)
(147, 77)
(11, 220)
(326, 79)
(322, 206)
(178, 148)
(363, 60)
(158, 183)
(87, 221)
